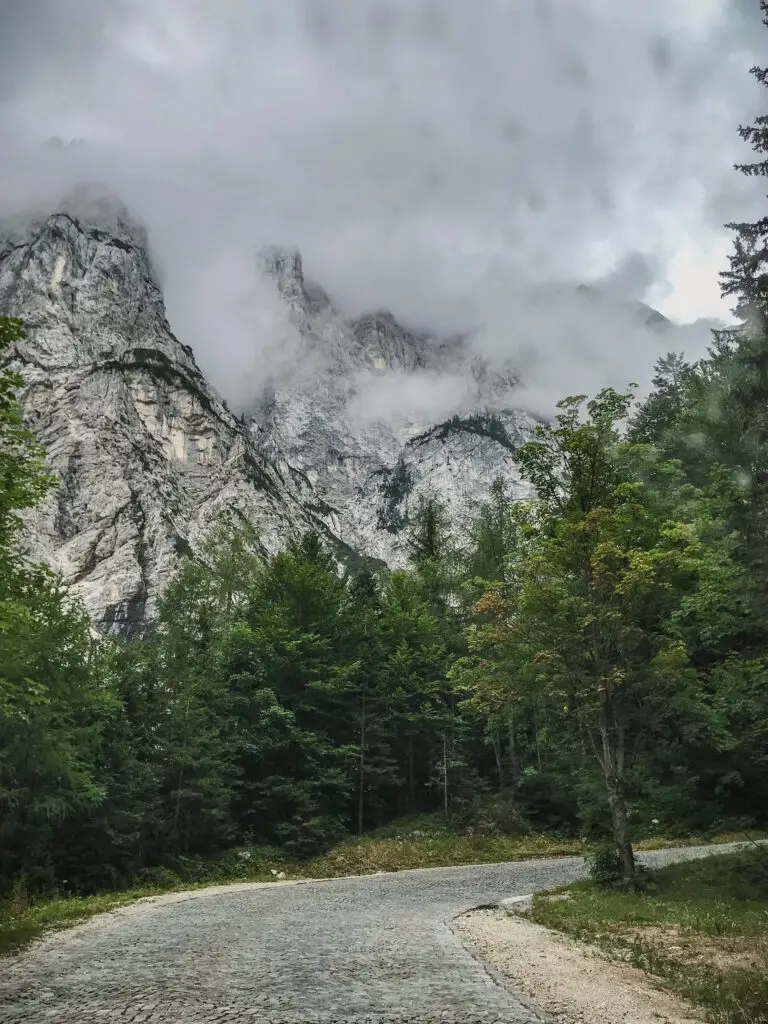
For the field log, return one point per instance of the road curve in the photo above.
(376, 949)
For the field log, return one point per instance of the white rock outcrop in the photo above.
(147, 454)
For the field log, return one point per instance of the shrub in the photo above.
(604, 866)
(493, 815)
(160, 878)
(302, 839)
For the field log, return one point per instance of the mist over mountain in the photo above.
(441, 161)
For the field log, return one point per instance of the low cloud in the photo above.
(443, 160)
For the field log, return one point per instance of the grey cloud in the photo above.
(439, 159)
(44, 44)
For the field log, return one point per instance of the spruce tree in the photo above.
(747, 278)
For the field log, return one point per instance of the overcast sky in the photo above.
(430, 156)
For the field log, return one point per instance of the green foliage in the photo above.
(273, 701)
(604, 865)
(605, 625)
(492, 537)
(487, 425)
(607, 871)
(52, 706)
(431, 549)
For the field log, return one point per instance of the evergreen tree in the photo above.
(430, 546)
(492, 536)
(747, 278)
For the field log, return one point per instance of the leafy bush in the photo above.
(496, 814)
(158, 877)
(604, 866)
(306, 838)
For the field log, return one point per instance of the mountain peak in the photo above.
(284, 264)
(91, 206)
(96, 207)
(82, 280)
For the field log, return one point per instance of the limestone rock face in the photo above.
(148, 456)
(338, 420)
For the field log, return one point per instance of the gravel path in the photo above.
(376, 949)
(571, 981)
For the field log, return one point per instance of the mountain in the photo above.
(147, 454)
(366, 418)
(325, 416)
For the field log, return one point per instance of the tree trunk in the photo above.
(445, 774)
(179, 846)
(618, 808)
(361, 785)
(411, 776)
(612, 736)
(512, 748)
(496, 744)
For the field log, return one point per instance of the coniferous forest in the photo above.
(592, 663)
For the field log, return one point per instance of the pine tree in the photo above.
(747, 278)
(430, 547)
(492, 535)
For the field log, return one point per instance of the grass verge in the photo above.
(701, 930)
(22, 919)
(368, 854)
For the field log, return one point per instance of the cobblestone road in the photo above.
(377, 949)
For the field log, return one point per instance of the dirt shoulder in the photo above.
(565, 980)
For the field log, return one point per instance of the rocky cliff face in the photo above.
(147, 454)
(333, 417)
(150, 458)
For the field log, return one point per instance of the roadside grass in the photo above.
(423, 841)
(714, 839)
(700, 929)
(426, 842)
(400, 852)
(23, 919)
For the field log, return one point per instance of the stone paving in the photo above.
(376, 949)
